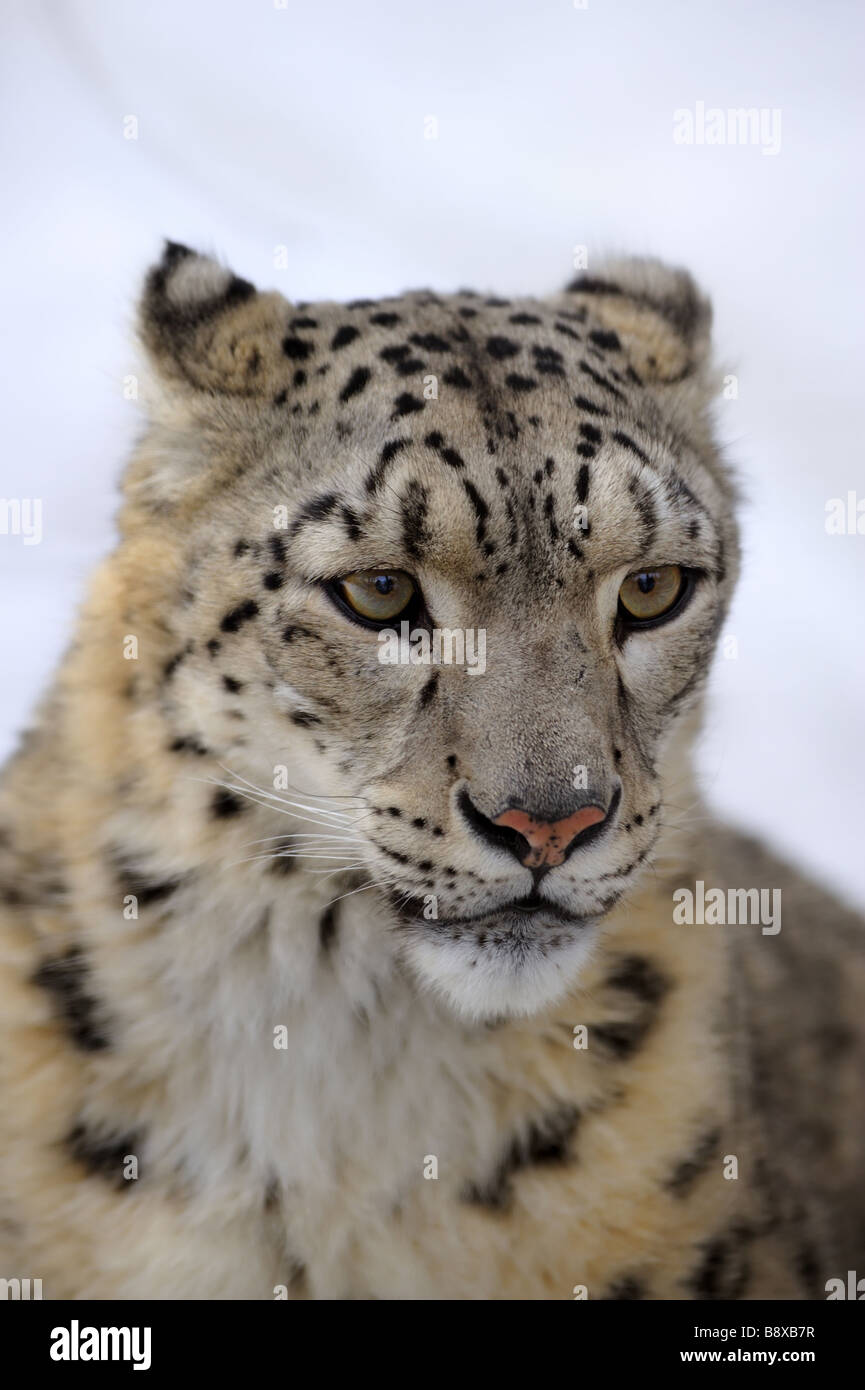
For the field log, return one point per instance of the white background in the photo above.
(303, 127)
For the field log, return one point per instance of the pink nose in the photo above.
(549, 841)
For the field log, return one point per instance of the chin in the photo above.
(510, 970)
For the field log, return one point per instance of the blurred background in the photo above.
(345, 150)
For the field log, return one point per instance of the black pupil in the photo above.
(646, 583)
(383, 583)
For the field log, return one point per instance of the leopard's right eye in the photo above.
(378, 596)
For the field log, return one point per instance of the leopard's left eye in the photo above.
(378, 596)
(651, 594)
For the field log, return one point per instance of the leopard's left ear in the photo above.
(204, 327)
(657, 311)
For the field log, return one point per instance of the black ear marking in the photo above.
(183, 292)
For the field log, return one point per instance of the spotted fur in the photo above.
(227, 827)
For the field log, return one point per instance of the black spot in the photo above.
(351, 522)
(356, 383)
(318, 509)
(231, 684)
(385, 458)
(723, 1271)
(173, 662)
(385, 320)
(303, 322)
(298, 349)
(548, 361)
(277, 549)
(583, 482)
(686, 1173)
(299, 378)
(467, 313)
(605, 339)
(273, 580)
(188, 744)
(646, 507)
(583, 403)
(430, 342)
(281, 397)
(455, 376)
(591, 433)
(66, 978)
(545, 1142)
(294, 630)
(627, 443)
(344, 335)
(808, 1269)
(240, 548)
(415, 506)
(409, 366)
(407, 404)
(234, 620)
(567, 332)
(481, 509)
(638, 976)
(395, 352)
(550, 514)
(327, 929)
(429, 690)
(284, 860)
(600, 380)
(103, 1154)
(586, 451)
(303, 719)
(361, 304)
(435, 440)
(520, 383)
(501, 348)
(620, 1039)
(524, 318)
(213, 646)
(225, 804)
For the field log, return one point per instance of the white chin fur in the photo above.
(482, 983)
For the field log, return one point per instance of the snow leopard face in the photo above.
(447, 572)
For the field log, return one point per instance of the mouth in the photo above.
(518, 913)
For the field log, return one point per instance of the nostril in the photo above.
(501, 836)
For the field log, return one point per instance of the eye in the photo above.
(652, 594)
(377, 596)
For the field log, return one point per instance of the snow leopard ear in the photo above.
(657, 311)
(204, 327)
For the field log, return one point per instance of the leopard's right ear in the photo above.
(662, 318)
(205, 328)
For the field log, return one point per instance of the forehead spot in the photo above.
(501, 348)
(297, 349)
(356, 383)
(343, 336)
